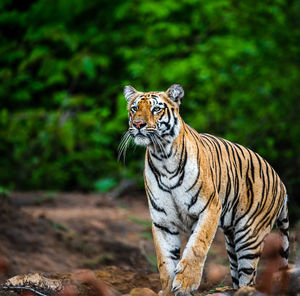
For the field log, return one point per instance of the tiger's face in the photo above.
(153, 116)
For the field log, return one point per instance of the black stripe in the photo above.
(235, 280)
(268, 178)
(179, 168)
(198, 160)
(171, 132)
(249, 185)
(217, 147)
(284, 253)
(157, 175)
(175, 254)
(153, 203)
(242, 236)
(180, 180)
(240, 161)
(280, 222)
(259, 161)
(225, 208)
(233, 265)
(228, 186)
(232, 256)
(247, 246)
(209, 201)
(194, 198)
(239, 147)
(246, 270)
(155, 156)
(163, 228)
(234, 154)
(226, 146)
(267, 217)
(285, 231)
(250, 256)
(234, 207)
(207, 142)
(251, 164)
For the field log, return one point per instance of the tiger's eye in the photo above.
(156, 109)
(134, 108)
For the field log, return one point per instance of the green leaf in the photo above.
(88, 67)
(105, 184)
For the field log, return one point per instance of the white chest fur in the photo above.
(173, 189)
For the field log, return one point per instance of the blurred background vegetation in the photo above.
(63, 65)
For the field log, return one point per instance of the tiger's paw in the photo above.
(187, 278)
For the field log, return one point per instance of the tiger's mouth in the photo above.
(141, 139)
(146, 136)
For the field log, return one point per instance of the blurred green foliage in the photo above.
(64, 64)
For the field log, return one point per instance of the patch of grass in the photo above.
(152, 260)
(85, 248)
(47, 197)
(123, 206)
(225, 261)
(4, 191)
(145, 223)
(147, 226)
(215, 289)
(96, 261)
(146, 235)
(59, 226)
(297, 224)
(212, 252)
(105, 184)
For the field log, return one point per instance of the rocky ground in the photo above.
(58, 234)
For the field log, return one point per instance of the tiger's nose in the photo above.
(139, 124)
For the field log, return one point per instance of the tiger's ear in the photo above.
(129, 92)
(175, 92)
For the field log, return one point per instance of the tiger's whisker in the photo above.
(124, 145)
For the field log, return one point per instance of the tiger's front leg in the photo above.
(167, 245)
(189, 269)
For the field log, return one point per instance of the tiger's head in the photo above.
(154, 116)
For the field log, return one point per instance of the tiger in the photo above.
(196, 183)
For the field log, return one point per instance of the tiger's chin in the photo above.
(142, 140)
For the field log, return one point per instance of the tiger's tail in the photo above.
(283, 226)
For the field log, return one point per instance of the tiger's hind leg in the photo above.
(283, 226)
(232, 258)
(248, 249)
(249, 245)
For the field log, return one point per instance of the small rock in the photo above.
(216, 273)
(247, 291)
(142, 292)
(272, 244)
(99, 286)
(34, 279)
(69, 290)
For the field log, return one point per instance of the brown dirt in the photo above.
(41, 232)
(56, 232)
